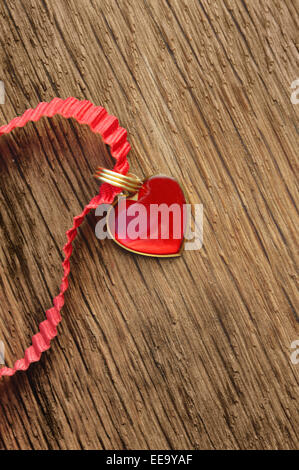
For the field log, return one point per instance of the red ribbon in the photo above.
(113, 135)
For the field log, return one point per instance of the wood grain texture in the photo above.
(189, 353)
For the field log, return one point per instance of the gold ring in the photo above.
(129, 183)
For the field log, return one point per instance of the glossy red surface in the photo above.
(143, 229)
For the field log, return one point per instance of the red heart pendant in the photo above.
(151, 223)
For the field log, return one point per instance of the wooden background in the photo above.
(189, 353)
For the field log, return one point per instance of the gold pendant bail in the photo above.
(130, 183)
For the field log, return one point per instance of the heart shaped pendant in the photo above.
(152, 221)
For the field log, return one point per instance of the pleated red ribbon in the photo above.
(107, 126)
